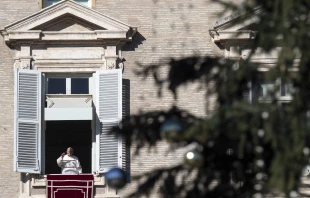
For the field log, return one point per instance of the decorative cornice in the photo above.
(232, 35)
(54, 35)
(227, 21)
(67, 7)
(227, 38)
(68, 65)
(228, 30)
(110, 27)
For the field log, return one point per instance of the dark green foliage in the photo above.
(248, 147)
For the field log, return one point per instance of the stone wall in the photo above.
(166, 28)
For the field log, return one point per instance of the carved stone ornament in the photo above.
(25, 64)
(17, 64)
(111, 64)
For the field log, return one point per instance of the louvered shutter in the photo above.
(27, 125)
(109, 112)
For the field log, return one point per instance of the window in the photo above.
(46, 3)
(61, 84)
(56, 86)
(79, 86)
(30, 133)
(264, 90)
(59, 135)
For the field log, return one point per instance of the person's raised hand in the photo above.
(63, 154)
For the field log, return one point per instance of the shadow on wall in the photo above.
(126, 112)
(137, 40)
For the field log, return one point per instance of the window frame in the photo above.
(95, 121)
(276, 87)
(68, 78)
(42, 4)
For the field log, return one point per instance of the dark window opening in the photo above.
(56, 86)
(79, 86)
(60, 135)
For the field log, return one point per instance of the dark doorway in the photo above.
(60, 135)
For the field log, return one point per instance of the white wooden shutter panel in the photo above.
(109, 112)
(27, 125)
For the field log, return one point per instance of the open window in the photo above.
(59, 135)
(29, 119)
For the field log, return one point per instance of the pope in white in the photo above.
(69, 163)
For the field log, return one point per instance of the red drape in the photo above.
(70, 186)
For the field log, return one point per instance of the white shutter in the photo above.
(109, 112)
(27, 125)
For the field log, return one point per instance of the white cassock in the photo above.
(69, 165)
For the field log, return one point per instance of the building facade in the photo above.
(67, 72)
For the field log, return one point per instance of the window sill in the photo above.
(280, 99)
(38, 182)
(68, 95)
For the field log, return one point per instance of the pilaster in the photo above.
(23, 56)
(111, 57)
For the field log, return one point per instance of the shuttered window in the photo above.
(27, 123)
(109, 112)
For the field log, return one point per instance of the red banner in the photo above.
(70, 186)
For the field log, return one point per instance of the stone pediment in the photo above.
(236, 27)
(68, 23)
(67, 20)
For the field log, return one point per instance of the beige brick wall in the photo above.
(176, 29)
(167, 28)
(10, 11)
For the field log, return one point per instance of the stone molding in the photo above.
(234, 34)
(224, 36)
(230, 31)
(108, 27)
(67, 25)
(62, 66)
(236, 20)
(67, 7)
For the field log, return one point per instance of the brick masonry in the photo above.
(10, 11)
(167, 28)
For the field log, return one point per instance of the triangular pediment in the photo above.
(68, 23)
(238, 21)
(59, 11)
(236, 27)
(68, 20)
